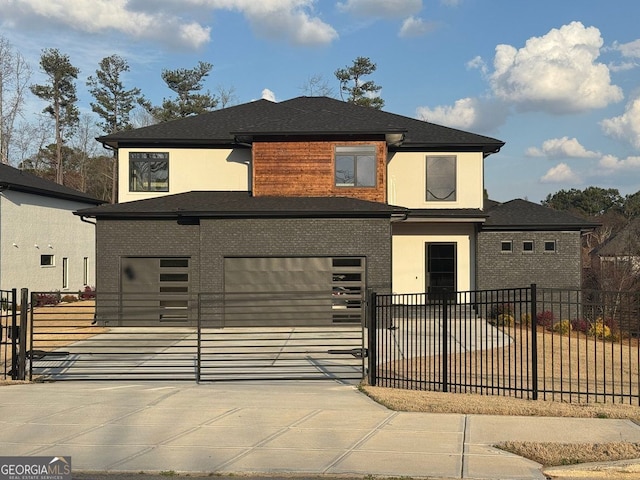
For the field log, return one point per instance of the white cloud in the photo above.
(381, 8)
(612, 163)
(477, 63)
(415, 27)
(627, 126)
(466, 114)
(289, 20)
(268, 95)
(282, 19)
(631, 49)
(556, 73)
(561, 173)
(564, 147)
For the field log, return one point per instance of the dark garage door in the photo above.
(293, 291)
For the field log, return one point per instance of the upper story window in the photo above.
(148, 172)
(549, 245)
(441, 178)
(506, 246)
(527, 246)
(356, 166)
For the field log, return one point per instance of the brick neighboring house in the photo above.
(309, 194)
(522, 243)
(43, 246)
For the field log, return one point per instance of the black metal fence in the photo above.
(566, 345)
(9, 334)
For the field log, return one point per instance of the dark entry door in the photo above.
(441, 267)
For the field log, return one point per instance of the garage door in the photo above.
(293, 291)
(155, 291)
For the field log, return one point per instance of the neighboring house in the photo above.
(43, 246)
(310, 194)
(522, 243)
(616, 263)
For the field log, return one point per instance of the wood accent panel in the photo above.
(306, 169)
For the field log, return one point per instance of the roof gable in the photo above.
(14, 179)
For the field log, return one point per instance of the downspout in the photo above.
(84, 219)
(114, 173)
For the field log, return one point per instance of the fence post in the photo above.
(445, 343)
(14, 336)
(372, 325)
(199, 339)
(534, 340)
(22, 334)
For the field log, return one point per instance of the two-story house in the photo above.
(43, 246)
(306, 195)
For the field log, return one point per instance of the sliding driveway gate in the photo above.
(206, 337)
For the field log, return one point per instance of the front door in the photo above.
(441, 268)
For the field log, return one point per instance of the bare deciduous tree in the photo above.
(15, 75)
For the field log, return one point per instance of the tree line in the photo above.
(60, 143)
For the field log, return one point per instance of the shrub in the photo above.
(43, 299)
(69, 299)
(525, 319)
(505, 320)
(545, 318)
(563, 327)
(598, 329)
(580, 325)
(88, 293)
(500, 309)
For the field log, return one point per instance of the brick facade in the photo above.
(208, 243)
(497, 269)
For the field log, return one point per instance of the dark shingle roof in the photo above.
(240, 205)
(470, 214)
(523, 215)
(13, 179)
(300, 116)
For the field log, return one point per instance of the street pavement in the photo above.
(294, 429)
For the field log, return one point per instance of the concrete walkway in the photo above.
(297, 428)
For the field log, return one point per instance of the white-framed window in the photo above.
(506, 246)
(528, 246)
(355, 166)
(47, 261)
(441, 178)
(148, 172)
(549, 246)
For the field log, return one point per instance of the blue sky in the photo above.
(557, 80)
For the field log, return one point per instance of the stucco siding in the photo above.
(409, 254)
(192, 169)
(32, 226)
(406, 180)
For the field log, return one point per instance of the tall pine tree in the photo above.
(186, 83)
(113, 103)
(60, 92)
(360, 92)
